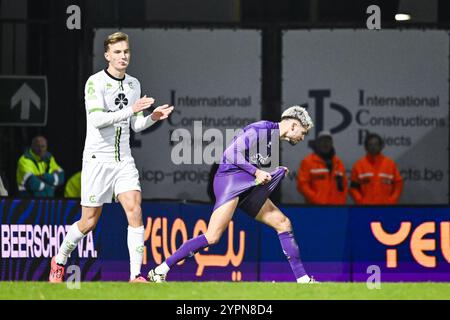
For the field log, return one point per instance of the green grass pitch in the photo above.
(223, 291)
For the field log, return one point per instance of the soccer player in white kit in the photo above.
(113, 104)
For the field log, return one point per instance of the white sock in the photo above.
(304, 279)
(136, 248)
(73, 236)
(163, 268)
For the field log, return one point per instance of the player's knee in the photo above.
(284, 224)
(212, 238)
(134, 211)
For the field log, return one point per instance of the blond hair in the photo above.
(300, 114)
(115, 38)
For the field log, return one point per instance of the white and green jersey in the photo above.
(109, 115)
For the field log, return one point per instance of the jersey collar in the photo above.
(112, 77)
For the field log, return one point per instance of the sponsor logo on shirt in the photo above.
(90, 89)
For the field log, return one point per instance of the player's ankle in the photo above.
(60, 260)
(163, 268)
(304, 279)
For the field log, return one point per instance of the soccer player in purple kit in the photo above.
(239, 182)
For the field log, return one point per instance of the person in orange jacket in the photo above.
(321, 176)
(375, 178)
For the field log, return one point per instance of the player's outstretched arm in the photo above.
(139, 122)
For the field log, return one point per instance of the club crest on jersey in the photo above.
(260, 159)
(121, 100)
(130, 84)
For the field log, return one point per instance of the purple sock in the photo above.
(292, 252)
(187, 249)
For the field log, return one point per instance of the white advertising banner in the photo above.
(390, 82)
(211, 76)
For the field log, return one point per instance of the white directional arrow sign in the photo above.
(25, 95)
(23, 100)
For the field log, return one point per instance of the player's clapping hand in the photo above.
(262, 177)
(161, 112)
(142, 104)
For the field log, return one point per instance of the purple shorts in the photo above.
(242, 184)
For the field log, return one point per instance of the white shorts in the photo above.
(101, 181)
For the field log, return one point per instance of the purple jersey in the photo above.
(235, 176)
(250, 150)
